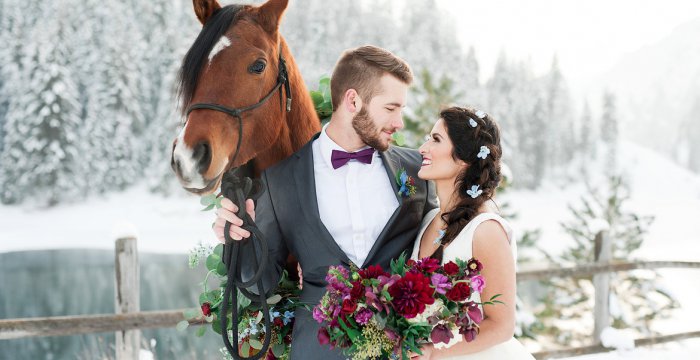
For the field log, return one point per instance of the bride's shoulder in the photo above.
(488, 227)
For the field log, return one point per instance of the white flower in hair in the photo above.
(480, 114)
(474, 192)
(483, 152)
(472, 122)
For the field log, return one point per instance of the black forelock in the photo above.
(194, 60)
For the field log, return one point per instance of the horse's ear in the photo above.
(270, 13)
(204, 9)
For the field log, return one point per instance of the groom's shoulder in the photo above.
(411, 156)
(284, 168)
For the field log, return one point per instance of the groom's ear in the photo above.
(352, 101)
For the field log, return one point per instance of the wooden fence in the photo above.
(128, 320)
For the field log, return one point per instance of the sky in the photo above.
(588, 37)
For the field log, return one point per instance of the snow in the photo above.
(617, 339)
(682, 350)
(163, 225)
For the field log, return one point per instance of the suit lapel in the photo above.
(306, 185)
(392, 164)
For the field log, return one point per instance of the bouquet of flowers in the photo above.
(249, 332)
(371, 313)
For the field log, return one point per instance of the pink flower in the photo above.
(363, 316)
(441, 283)
(478, 283)
(441, 334)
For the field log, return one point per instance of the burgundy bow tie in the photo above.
(340, 158)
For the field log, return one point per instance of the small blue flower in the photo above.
(274, 314)
(474, 192)
(480, 114)
(407, 186)
(472, 122)
(483, 152)
(288, 316)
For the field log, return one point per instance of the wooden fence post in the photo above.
(126, 266)
(601, 282)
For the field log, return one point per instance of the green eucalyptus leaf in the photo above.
(207, 200)
(213, 261)
(274, 299)
(216, 326)
(278, 350)
(200, 332)
(192, 313)
(245, 349)
(208, 207)
(255, 344)
(399, 138)
(182, 325)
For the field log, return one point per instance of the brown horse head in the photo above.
(235, 62)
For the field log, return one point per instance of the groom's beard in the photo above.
(365, 128)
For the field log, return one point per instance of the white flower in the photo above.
(429, 311)
(483, 152)
(480, 114)
(472, 122)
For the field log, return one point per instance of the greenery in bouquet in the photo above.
(370, 313)
(250, 332)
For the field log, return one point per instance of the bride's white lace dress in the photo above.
(461, 247)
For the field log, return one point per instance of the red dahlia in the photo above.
(372, 272)
(410, 294)
(459, 292)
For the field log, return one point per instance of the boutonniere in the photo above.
(407, 186)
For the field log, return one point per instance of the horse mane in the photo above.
(197, 55)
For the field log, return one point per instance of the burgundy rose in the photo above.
(459, 292)
(474, 266)
(410, 294)
(206, 309)
(323, 336)
(270, 355)
(349, 306)
(451, 268)
(372, 272)
(278, 322)
(357, 290)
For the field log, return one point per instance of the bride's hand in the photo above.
(427, 351)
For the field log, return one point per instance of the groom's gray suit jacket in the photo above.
(287, 214)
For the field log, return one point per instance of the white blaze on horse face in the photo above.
(191, 177)
(223, 43)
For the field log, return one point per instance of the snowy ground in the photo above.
(175, 225)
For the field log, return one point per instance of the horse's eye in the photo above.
(257, 67)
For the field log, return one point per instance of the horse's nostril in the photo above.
(202, 156)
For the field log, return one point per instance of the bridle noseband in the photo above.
(237, 190)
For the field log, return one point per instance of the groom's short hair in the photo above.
(361, 68)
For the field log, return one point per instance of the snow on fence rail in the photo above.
(128, 320)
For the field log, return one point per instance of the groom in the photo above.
(337, 200)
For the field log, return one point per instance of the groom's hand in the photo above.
(227, 212)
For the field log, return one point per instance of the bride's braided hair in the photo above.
(486, 173)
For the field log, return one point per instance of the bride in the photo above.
(462, 156)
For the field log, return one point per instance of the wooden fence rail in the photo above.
(128, 319)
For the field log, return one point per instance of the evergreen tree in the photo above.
(586, 144)
(693, 136)
(637, 298)
(41, 154)
(609, 132)
(429, 97)
(559, 118)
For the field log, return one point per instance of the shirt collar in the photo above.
(327, 145)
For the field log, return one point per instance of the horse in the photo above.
(228, 86)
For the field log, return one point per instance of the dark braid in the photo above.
(486, 173)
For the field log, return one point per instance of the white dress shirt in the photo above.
(355, 201)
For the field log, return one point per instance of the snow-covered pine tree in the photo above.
(637, 297)
(41, 154)
(429, 97)
(560, 124)
(609, 132)
(693, 136)
(586, 144)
